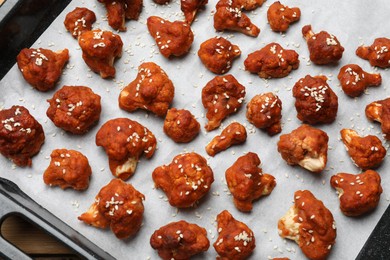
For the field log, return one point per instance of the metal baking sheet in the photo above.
(353, 22)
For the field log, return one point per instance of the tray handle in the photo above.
(15, 201)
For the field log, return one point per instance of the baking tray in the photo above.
(377, 247)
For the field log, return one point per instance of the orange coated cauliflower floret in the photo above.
(228, 16)
(315, 101)
(310, 224)
(151, 90)
(366, 152)
(118, 205)
(377, 53)
(185, 180)
(380, 111)
(235, 239)
(179, 240)
(324, 48)
(217, 54)
(125, 141)
(247, 182)
(181, 126)
(172, 38)
(272, 61)
(222, 96)
(265, 112)
(359, 194)
(305, 146)
(100, 49)
(354, 80)
(233, 134)
(280, 16)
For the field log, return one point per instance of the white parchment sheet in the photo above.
(353, 23)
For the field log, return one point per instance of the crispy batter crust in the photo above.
(280, 16)
(222, 96)
(100, 49)
(305, 146)
(272, 61)
(21, 136)
(125, 141)
(315, 101)
(354, 80)
(377, 53)
(265, 112)
(181, 126)
(42, 68)
(179, 240)
(359, 194)
(365, 152)
(79, 20)
(68, 169)
(310, 224)
(380, 111)
(172, 38)
(235, 239)
(324, 48)
(247, 182)
(185, 180)
(151, 90)
(217, 54)
(233, 134)
(74, 108)
(118, 205)
(228, 16)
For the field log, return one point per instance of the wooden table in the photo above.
(34, 241)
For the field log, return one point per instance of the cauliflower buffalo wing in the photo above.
(228, 16)
(305, 146)
(235, 239)
(377, 53)
(21, 135)
(365, 152)
(265, 112)
(100, 49)
(310, 224)
(359, 194)
(272, 61)
(280, 16)
(380, 111)
(118, 205)
(233, 134)
(217, 54)
(125, 141)
(324, 48)
(315, 101)
(222, 96)
(172, 38)
(179, 240)
(79, 21)
(354, 80)
(74, 108)
(42, 68)
(247, 182)
(185, 180)
(68, 169)
(120, 10)
(191, 7)
(152, 90)
(181, 126)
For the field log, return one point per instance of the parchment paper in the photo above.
(353, 22)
